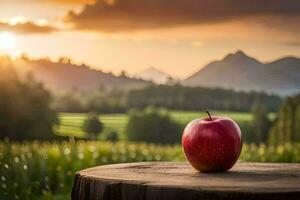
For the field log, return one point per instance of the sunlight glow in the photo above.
(7, 41)
(17, 20)
(42, 22)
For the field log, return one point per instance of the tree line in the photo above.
(175, 97)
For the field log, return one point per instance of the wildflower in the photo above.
(95, 154)
(67, 151)
(17, 160)
(80, 156)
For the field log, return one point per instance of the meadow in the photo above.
(70, 123)
(44, 170)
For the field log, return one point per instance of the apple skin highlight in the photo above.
(212, 144)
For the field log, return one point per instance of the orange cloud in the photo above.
(131, 15)
(72, 1)
(26, 28)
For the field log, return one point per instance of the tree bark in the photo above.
(178, 181)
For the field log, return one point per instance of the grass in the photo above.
(33, 170)
(44, 170)
(71, 122)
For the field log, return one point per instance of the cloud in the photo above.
(71, 1)
(131, 15)
(293, 43)
(26, 28)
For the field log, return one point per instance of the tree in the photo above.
(64, 60)
(152, 125)
(92, 125)
(247, 131)
(261, 123)
(286, 127)
(69, 102)
(123, 74)
(112, 136)
(25, 111)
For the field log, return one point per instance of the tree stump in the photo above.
(178, 181)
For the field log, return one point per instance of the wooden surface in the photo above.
(173, 180)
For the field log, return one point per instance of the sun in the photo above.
(7, 41)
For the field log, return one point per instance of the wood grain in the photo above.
(178, 181)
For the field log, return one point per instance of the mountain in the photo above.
(241, 72)
(154, 75)
(63, 75)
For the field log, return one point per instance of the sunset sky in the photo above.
(175, 36)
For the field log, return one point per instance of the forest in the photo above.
(173, 97)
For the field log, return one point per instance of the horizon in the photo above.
(96, 33)
(135, 73)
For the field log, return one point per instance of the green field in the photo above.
(70, 123)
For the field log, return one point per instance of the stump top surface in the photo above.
(243, 177)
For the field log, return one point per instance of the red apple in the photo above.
(212, 144)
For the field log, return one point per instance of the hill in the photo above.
(64, 75)
(241, 72)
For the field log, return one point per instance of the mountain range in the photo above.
(63, 75)
(235, 71)
(241, 72)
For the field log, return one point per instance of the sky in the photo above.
(175, 36)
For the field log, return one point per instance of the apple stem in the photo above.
(209, 115)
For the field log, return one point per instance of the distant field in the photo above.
(71, 122)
